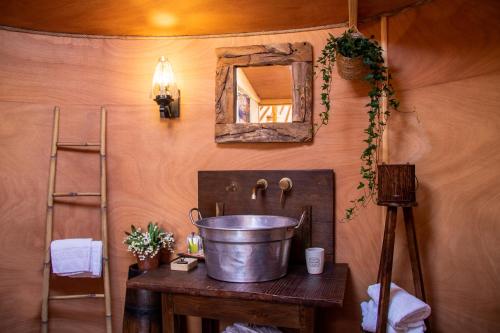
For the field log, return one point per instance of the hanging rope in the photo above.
(353, 14)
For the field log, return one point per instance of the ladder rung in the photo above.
(65, 297)
(76, 194)
(72, 144)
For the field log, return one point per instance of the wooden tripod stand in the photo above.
(385, 267)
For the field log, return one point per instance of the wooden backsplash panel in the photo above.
(314, 188)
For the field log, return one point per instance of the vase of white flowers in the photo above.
(147, 245)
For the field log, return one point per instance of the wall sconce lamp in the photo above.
(165, 90)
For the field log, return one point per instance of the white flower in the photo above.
(147, 245)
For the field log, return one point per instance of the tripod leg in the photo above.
(385, 278)
(416, 269)
(384, 242)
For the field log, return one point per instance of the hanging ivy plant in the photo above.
(353, 45)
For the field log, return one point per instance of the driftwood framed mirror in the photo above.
(263, 93)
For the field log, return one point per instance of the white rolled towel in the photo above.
(405, 310)
(369, 311)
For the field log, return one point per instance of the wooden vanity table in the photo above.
(288, 302)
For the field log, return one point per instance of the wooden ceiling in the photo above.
(182, 17)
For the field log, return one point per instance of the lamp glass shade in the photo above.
(164, 80)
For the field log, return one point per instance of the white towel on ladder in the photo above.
(96, 259)
(95, 263)
(77, 257)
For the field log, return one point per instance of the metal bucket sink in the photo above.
(246, 248)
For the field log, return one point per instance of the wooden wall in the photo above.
(446, 60)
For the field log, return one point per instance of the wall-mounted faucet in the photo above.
(261, 184)
(286, 185)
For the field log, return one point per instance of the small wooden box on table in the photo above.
(288, 302)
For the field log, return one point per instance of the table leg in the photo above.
(180, 324)
(167, 313)
(209, 325)
(385, 279)
(307, 318)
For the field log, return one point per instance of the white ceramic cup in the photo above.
(315, 260)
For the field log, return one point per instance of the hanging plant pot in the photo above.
(351, 68)
(148, 263)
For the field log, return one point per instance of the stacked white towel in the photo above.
(247, 328)
(406, 312)
(77, 257)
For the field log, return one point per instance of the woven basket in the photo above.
(351, 68)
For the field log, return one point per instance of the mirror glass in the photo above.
(264, 94)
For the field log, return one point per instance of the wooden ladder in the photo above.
(50, 216)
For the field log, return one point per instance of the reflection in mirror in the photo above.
(264, 94)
